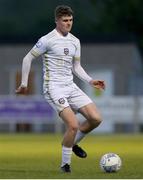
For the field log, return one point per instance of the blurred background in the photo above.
(111, 35)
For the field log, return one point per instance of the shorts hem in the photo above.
(84, 105)
(62, 110)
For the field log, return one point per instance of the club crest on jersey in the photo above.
(66, 51)
(61, 101)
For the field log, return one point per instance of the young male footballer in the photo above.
(61, 57)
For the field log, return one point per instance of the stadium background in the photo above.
(111, 34)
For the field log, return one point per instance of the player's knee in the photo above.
(96, 120)
(73, 128)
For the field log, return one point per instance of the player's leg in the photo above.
(71, 123)
(93, 119)
(59, 102)
(79, 101)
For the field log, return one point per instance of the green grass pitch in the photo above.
(38, 156)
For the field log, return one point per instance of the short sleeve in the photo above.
(40, 47)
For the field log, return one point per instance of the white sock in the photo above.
(66, 155)
(79, 136)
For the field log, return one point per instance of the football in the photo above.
(110, 162)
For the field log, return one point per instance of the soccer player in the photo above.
(61, 57)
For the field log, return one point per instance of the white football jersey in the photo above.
(58, 53)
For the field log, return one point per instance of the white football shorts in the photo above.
(62, 96)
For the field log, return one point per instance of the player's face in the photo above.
(64, 24)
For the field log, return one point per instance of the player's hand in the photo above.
(21, 90)
(98, 84)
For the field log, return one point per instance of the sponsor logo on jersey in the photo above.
(38, 44)
(66, 51)
(61, 100)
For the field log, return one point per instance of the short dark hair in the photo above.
(63, 10)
